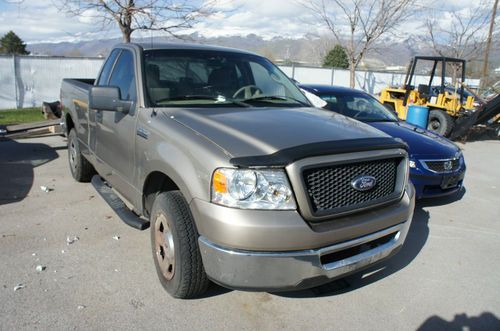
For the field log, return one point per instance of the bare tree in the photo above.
(458, 34)
(169, 16)
(358, 24)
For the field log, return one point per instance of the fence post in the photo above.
(16, 85)
(333, 74)
(293, 70)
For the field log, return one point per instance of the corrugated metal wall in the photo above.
(27, 81)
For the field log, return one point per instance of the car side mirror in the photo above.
(108, 98)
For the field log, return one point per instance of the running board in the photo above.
(119, 207)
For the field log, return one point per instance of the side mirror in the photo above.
(108, 98)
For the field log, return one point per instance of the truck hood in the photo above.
(421, 143)
(261, 131)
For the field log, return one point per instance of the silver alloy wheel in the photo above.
(164, 247)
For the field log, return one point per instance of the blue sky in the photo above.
(40, 21)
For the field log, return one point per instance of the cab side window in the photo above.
(123, 76)
(106, 69)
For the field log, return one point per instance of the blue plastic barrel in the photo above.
(418, 116)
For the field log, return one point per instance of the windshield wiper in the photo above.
(275, 97)
(218, 99)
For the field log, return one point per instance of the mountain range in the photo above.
(307, 50)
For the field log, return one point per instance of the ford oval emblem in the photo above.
(364, 183)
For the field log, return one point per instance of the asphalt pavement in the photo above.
(447, 276)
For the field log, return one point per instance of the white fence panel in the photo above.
(7, 83)
(369, 81)
(341, 78)
(313, 75)
(287, 70)
(39, 79)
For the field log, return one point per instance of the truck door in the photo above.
(115, 131)
(102, 80)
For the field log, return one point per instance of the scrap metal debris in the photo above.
(46, 189)
(8, 235)
(71, 239)
(40, 268)
(18, 287)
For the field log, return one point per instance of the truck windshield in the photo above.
(359, 106)
(206, 78)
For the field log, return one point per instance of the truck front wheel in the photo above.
(81, 169)
(174, 241)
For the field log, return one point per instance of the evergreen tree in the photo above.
(336, 58)
(10, 43)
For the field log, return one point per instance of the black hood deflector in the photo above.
(286, 156)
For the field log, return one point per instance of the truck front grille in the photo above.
(330, 189)
(440, 166)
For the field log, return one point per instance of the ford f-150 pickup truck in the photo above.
(241, 181)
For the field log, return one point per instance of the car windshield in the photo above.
(362, 107)
(207, 78)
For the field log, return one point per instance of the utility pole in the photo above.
(484, 75)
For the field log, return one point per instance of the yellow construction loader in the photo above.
(446, 103)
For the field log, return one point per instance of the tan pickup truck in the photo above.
(240, 179)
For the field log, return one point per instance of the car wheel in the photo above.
(440, 122)
(81, 169)
(174, 242)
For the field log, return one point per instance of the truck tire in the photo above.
(174, 242)
(81, 169)
(440, 122)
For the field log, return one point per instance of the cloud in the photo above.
(37, 21)
(40, 21)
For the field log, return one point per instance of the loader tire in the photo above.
(440, 122)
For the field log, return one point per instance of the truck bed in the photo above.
(75, 90)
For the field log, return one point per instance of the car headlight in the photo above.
(252, 189)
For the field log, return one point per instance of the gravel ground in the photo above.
(446, 276)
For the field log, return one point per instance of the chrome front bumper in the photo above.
(278, 271)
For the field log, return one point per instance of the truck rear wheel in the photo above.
(174, 242)
(440, 122)
(81, 169)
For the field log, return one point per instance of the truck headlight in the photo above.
(252, 189)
